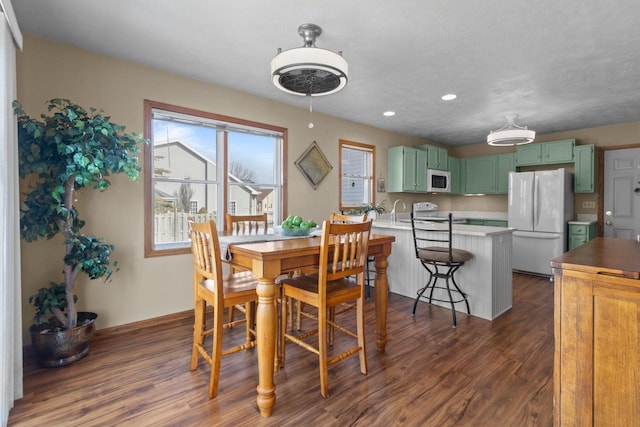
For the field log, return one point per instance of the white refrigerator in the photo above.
(540, 204)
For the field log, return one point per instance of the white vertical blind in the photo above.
(10, 295)
(356, 176)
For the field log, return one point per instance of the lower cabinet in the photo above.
(580, 233)
(597, 349)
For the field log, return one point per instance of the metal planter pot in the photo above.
(60, 348)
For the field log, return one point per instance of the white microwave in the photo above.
(438, 181)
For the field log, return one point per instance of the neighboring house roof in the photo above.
(249, 189)
(164, 194)
(263, 194)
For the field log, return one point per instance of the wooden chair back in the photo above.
(205, 247)
(246, 224)
(348, 256)
(347, 219)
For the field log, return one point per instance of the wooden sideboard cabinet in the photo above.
(597, 334)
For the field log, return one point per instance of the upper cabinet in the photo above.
(505, 163)
(545, 153)
(457, 176)
(480, 176)
(584, 180)
(407, 170)
(487, 174)
(408, 166)
(437, 158)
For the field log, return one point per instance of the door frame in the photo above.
(600, 178)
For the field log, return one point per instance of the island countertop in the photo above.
(603, 255)
(458, 229)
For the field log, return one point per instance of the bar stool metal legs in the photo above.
(434, 275)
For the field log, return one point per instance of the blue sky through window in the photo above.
(252, 151)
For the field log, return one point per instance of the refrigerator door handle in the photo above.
(536, 202)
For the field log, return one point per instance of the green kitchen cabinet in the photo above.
(480, 176)
(455, 169)
(488, 174)
(545, 153)
(496, 223)
(580, 233)
(558, 151)
(407, 170)
(584, 180)
(505, 163)
(437, 158)
(487, 222)
(529, 154)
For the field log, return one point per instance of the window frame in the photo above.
(362, 147)
(149, 246)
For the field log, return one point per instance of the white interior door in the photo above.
(622, 193)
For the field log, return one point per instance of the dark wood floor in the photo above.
(480, 374)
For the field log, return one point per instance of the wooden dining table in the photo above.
(267, 261)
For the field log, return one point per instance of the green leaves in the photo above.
(62, 152)
(46, 299)
(91, 255)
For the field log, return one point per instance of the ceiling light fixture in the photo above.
(308, 70)
(449, 97)
(511, 134)
(389, 113)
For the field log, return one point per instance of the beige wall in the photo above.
(149, 287)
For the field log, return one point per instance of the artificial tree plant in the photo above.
(67, 150)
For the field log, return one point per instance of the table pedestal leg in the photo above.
(381, 292)
(266, 330)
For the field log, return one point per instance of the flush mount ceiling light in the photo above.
(511, 134)
(308, 70)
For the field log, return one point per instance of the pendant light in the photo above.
(511, 134)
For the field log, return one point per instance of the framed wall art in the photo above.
(313, 165)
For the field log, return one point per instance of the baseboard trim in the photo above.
(186, 315)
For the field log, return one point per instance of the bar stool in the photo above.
(440, 261)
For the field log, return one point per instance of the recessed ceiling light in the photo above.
(389, 113)
(449, 97)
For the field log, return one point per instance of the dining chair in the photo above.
(243, 224)
(220, 291)
(246, 224)
(336, 217)
(333, 218)
(339, 279)
(441, 261)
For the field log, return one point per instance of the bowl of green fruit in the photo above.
(295, 225)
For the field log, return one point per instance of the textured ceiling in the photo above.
(559, 64)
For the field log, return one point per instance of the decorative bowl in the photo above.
(300, 232)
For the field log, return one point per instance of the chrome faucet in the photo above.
(393, 211)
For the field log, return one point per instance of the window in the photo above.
(356, 174)
(193, 207)
(203, 165)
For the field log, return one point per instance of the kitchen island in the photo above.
(486, 278)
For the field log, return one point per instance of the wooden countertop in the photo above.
(604, 255)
